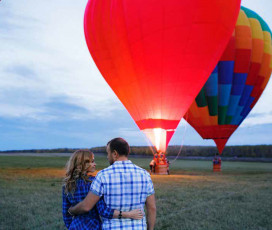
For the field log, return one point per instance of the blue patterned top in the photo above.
(125, 187)
(90, 220)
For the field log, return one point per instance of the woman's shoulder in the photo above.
(91, 178)
(81, 181)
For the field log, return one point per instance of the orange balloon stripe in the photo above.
(257, 50)
(243, 37)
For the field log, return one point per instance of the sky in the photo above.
(53, 96)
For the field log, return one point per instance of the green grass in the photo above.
(239, 197)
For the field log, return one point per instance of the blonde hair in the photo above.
(76, 169)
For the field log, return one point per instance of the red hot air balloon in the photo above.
(236, 83)
(156, 55)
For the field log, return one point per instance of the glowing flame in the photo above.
(158, 135)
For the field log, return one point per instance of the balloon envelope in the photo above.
(236, 83)
(157, 55)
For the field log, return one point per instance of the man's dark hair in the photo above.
(119, 145)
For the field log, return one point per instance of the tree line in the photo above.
(258, 151)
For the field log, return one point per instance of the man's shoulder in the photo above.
(138, 168)
(116, 168)
(104, 171)
(141, 171)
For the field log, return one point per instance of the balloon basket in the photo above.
(161, 170)
(217, 167)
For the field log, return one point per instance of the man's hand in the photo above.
(151, 211)
(136, 214)
(86, 205)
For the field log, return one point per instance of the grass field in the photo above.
(192, 198)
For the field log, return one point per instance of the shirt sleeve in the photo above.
(103, 210)
(97, 186)
(150, 187)
(67, 218)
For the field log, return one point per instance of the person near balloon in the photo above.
(156, 158)
(217, 160)
(162, 158)
(217, 163)
(124, 187)
(152, 166)
(79, 170)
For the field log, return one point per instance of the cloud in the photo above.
(46, 57)
(258, 119)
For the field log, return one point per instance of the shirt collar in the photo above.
(122, 162)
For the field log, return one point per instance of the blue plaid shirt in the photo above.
(90, 220)
(124, 186)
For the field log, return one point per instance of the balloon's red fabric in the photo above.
(157, 55)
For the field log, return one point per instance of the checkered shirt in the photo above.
(90, 220)
(125, 187)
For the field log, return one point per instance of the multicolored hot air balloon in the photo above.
(157, 55)
(236, 83)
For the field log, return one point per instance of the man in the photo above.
(124, 186)
(152, 166)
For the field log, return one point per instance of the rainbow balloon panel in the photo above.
(237, 81)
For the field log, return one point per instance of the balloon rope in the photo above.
(149, 144)
(182, 140)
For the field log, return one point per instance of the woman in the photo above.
(77, 183)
